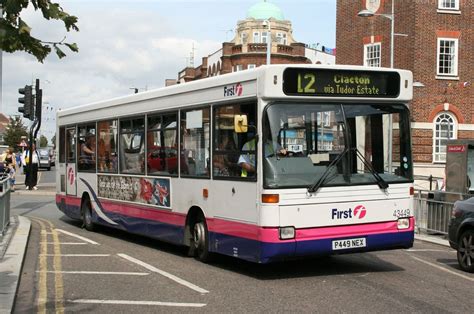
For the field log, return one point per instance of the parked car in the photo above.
(461, 233)
(45, 158)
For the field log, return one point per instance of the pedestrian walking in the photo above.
(31, 174)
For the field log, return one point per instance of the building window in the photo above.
(444, 129)
(281, 38)
(372, 56)
(238, 68)
(243, 38)
(264, 37)
(448, 4)
(447, 56)
(256, 37)
(251, 66)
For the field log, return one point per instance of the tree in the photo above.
(15, 130)
(53, 140)
(43, 141)
(15, 34)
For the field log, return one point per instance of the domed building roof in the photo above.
(265, 10)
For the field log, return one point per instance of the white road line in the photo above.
(77, 236)
(97, 273)
(125, 302)
(163, 273)
(77, 255)
(444, 269)
(66, 243)
(428, 250)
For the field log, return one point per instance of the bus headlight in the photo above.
(287, 233)
(403, 223)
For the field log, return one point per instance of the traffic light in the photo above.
(28, 108)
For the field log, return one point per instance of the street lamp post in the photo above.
(391, 17)
(269, 40)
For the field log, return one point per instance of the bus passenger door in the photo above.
(70, 169)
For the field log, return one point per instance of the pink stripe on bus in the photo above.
(245, 230)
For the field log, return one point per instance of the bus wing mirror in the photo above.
(240, 123)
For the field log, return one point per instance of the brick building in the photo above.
(248, 48)
(435, 40)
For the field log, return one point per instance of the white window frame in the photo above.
(251, 66)
(243, 38)
(256, 37)
(264, 37)
(439, 152)
(368, 55)
(238, 67)
(454, 65)
(281, 38)
(442, 5)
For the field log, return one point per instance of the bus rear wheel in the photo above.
(200, 241)
(86, 210)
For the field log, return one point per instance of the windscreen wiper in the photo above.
(380, 181)
(313, 188)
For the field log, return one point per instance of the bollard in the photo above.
(4, 204)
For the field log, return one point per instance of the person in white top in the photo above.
(31, 177)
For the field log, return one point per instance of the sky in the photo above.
(125, 44)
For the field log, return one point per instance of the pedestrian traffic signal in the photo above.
(28, 108)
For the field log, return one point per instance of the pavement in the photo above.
(13, 248)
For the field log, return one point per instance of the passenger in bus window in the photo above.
(223, 162)
(87, 154)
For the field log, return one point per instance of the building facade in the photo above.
(264, 24)
(432, 38)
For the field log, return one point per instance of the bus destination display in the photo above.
(340, 83)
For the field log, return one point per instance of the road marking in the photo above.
(43, 276)
(78, 255)
(428, 250)
(77, 236)
(125, 302)
(57, 265)
(96, 273)
(443, 269)
(58, 277)
(164, 273)
(66, 243)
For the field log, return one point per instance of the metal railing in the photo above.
(4, 203)
(433, 210)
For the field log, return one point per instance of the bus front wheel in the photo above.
(200, 241)
(86, 209)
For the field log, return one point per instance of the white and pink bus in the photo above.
(274, 163)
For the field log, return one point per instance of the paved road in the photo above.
(109, 271)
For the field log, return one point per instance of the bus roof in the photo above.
(233, 86)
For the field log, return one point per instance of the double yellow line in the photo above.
(48, 228)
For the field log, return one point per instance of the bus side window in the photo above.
(231, 145)
(132, 145)
(195, 129)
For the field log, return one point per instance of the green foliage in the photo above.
(53, 140)
(15, 34)
(43, 141)
(15, 130)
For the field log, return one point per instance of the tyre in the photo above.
(466, 251)
(200, 241)
(86, 210)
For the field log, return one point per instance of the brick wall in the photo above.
(421, 21)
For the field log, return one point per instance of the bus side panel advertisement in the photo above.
(150, 191)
